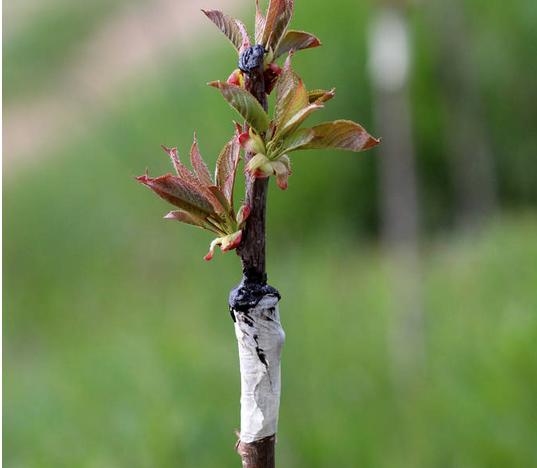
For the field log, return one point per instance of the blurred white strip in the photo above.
(389, 54)
(124, 48)
(260, 337)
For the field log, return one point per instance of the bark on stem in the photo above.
(260, 454)
(252, 248)
(254, 309)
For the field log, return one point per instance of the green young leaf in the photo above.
(279, 15)
(180, 193)
(245, 104)
(296, 40)
(321, 95)
(341, 134)
(226, 168)
(254, 143)
(296, 140)
(296, 120)
(233, 29)
(259, 23)
(282, 171)
(226, 243)
(187, 218)
(291, 95)
(259, 165)
(198, 164)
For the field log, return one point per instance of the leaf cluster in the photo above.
(266, 139)
(202, 201)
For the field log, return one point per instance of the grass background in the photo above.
(119, 348)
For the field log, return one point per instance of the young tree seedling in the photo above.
(204, 201)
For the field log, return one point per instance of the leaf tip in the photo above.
(172, 152)
(372, 142)
(282, 184)
(238, 129)
(143, 179)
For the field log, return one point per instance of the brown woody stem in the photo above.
(252, 248)
(260, 453)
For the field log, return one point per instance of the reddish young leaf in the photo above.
(178, 166)
(271, 75)
(279, 15)
(341, 134)
(296, 40)
(198, 164)
(182, 171)
(233, 29)
(259, 23)
(221, 198)
(226, 168)
(185, 174)
(245, 38)
(291, 95)
(180, 193)
(243, 214)
(282, 172)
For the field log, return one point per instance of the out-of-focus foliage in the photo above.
(119, 350)
(37, 52)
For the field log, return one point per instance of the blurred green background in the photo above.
(119, 349)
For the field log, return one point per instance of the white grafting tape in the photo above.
(260, 338)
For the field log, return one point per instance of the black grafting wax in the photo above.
(247, 295)
(251, 59)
